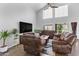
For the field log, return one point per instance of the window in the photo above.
(65, 28)
(58, 28)
(48, 13)
(61, 28)
(61, 11)
(48, 27)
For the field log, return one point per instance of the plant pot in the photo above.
(3, 48)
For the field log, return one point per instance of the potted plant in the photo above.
(4, 35)
(14, 32)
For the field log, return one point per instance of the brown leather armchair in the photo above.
(32, 45)
(64, 46)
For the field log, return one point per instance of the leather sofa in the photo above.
(64, 46)
(32, 45)
(48, 32)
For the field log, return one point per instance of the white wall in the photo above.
(11, 15)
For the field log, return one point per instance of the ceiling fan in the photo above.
(52, 6)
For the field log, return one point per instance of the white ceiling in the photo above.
(35, 6)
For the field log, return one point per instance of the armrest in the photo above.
(59, 42)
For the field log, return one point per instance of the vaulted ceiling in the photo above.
(35, 6)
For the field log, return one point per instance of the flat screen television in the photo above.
(25, 27)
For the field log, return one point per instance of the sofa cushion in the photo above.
(66, 34)
(70, 34)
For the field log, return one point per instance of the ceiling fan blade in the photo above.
(54, 7)
(51, 5)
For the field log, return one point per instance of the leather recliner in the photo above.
(32, 45)
(64, 46)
